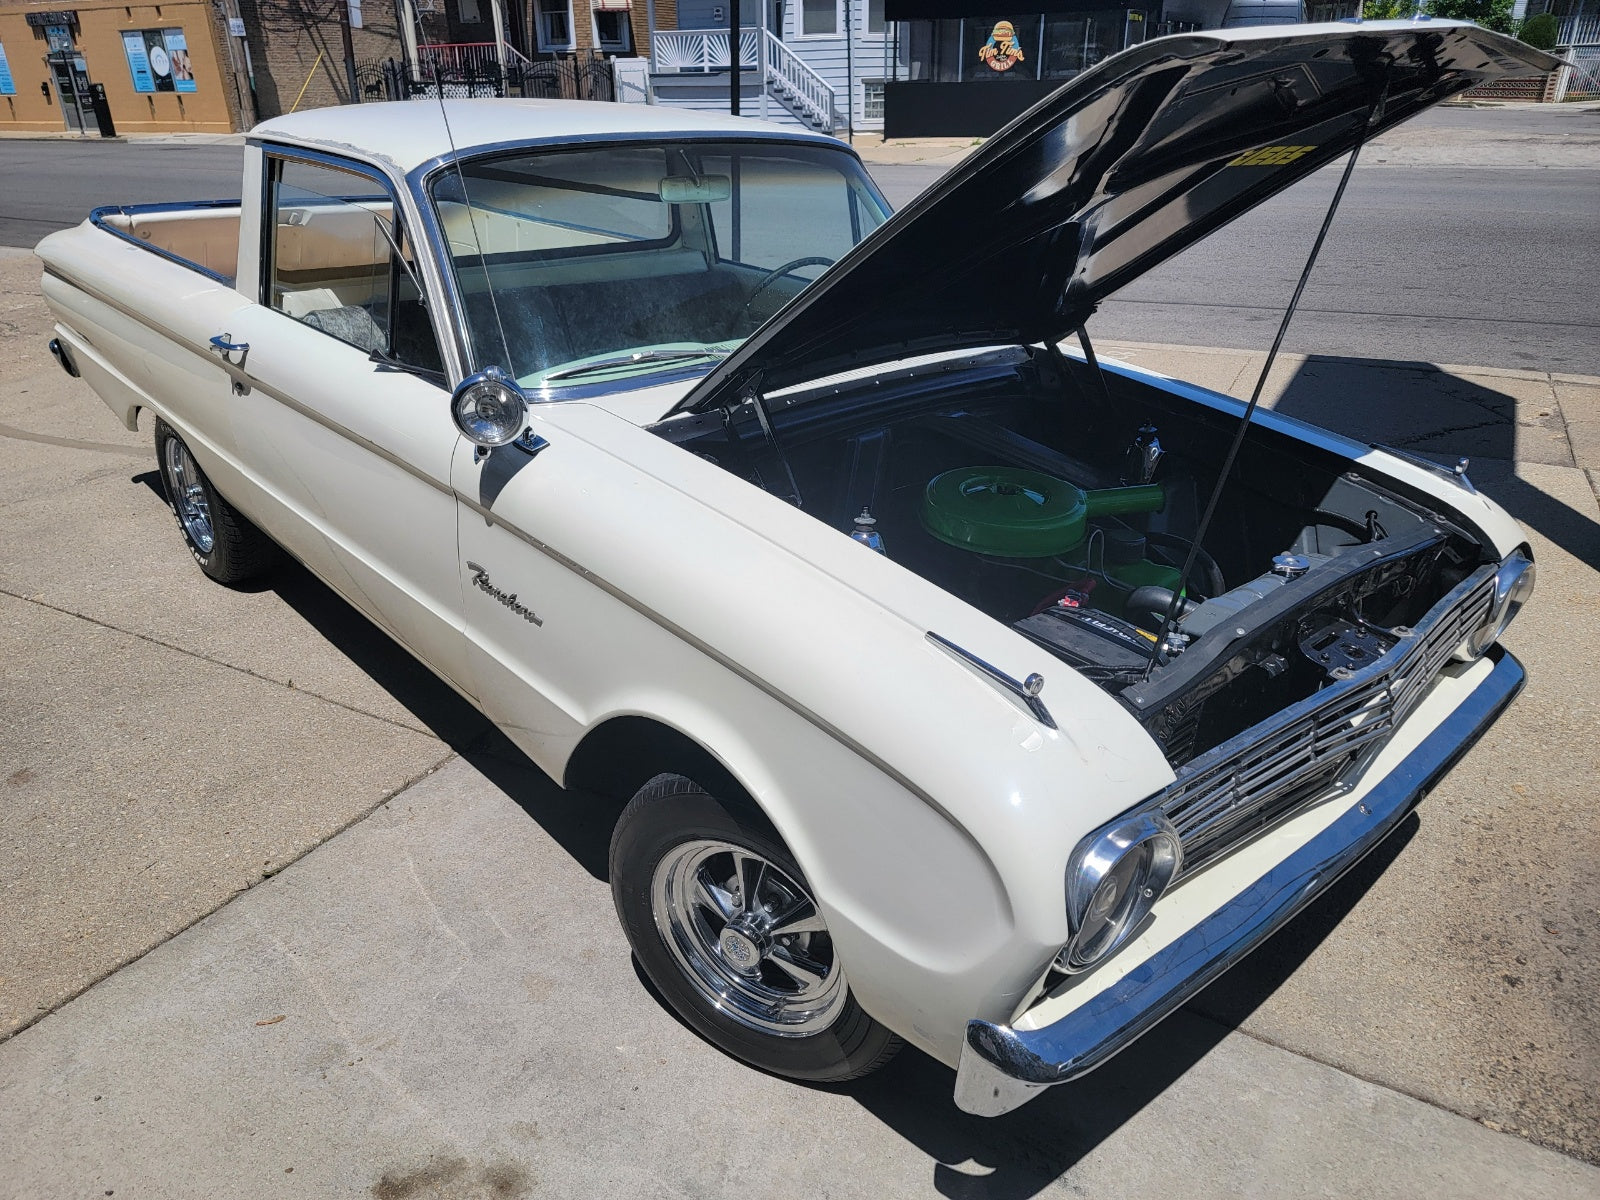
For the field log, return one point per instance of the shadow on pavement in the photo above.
(1418, 407)
(1022, 1153)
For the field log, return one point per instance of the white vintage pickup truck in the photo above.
(961, 688)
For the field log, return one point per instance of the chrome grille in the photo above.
(1252, 780)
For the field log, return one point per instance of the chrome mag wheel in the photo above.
(189, 496)
(748, 937)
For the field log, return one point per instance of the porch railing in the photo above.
(469, 56)
(789, 78)
(676, 51)
(794, 82)
(1579, 31)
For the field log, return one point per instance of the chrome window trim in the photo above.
(400, 196)
(97, 218)
(420, 179)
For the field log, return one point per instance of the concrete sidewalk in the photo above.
(437, 1004)
(460, 1016)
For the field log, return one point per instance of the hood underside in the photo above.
(1126, 165)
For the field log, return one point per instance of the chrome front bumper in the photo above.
(1003, 1068)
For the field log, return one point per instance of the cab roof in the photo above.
(405, 134)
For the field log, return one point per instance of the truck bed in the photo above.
(201, 234)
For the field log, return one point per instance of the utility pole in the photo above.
(733, 57)
(849, 72)
(761, 55)
(349, 50)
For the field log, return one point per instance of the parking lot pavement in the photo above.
(460, 1014)
(164, 743)
(437, 1004)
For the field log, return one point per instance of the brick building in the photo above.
(297, 50)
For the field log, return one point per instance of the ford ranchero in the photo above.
(961, 687)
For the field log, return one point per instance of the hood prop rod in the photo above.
(1158, 647)
(753, 396)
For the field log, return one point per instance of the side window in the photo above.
(341, 263)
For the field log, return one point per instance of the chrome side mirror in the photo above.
(489, 408)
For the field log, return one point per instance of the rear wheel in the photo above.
(223, 541)
(725, 925)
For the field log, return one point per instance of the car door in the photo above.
(343, 405)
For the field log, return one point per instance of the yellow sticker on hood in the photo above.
(1271, 156)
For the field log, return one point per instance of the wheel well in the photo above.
(619, 756)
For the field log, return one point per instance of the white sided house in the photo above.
(813, 49)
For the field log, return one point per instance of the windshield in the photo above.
(596, 266)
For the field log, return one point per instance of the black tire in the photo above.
(672, 819)
(223, 541)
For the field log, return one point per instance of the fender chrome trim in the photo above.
(1003, 1068)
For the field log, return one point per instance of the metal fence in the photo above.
(574, 77)
(1583, 81)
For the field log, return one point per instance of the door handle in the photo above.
(221, 346)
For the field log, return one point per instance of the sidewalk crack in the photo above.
(216, 662)
(387, 798)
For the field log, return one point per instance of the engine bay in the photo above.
(1063, 501)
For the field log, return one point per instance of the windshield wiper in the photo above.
(627, 360)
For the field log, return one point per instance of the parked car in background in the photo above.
(803, 530)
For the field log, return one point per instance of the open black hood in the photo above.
(1129, 163)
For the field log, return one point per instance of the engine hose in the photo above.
(1153, 600)
(1215, 585)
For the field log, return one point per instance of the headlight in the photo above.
(1513, 584)
(1114, 878)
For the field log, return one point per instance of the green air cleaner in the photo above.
(1013, 513)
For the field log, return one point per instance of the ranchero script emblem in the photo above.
(480, 580)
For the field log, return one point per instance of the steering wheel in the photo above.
(778, 273)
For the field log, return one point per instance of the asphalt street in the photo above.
(1442, 251)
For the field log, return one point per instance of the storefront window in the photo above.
(1000, 50)
(158, 60)
(932, 50)
(1028, 46)
(1075, 43)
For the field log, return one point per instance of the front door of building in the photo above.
(70, 73)
(66, 94)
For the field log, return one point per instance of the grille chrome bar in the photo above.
(1304, 752)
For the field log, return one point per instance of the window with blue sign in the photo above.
(8, 86)
(158, 60)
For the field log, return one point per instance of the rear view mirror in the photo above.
(703, 189)
(490, 408)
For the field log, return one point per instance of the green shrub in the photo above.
(1541, 31)
(1491, 14)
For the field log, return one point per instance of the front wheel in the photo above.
(724, 924)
